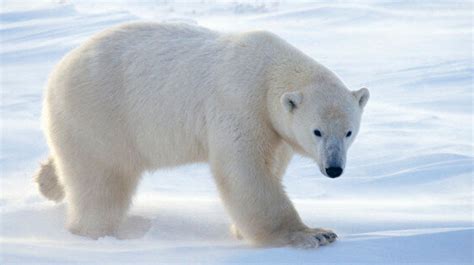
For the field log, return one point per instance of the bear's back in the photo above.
(156, 32)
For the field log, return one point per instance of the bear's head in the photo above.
(321, 120)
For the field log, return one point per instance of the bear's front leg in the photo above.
(257, 203)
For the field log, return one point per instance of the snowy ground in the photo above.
(407, 193)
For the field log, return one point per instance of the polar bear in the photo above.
(144, 96)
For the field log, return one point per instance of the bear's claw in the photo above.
(312, 238)
(330, 236)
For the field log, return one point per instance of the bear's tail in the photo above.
(48, 182)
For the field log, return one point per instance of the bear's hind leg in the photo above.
(98, 197)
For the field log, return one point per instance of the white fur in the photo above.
(145, 96)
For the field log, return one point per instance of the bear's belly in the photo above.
(169, 147)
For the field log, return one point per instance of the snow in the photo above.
(407, 193)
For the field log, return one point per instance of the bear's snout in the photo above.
(334, 172)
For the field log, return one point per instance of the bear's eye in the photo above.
(317, 133)
(349, 133)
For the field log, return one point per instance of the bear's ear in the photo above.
(362, 96)
(291, 100)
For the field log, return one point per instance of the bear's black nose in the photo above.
(334, 172)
